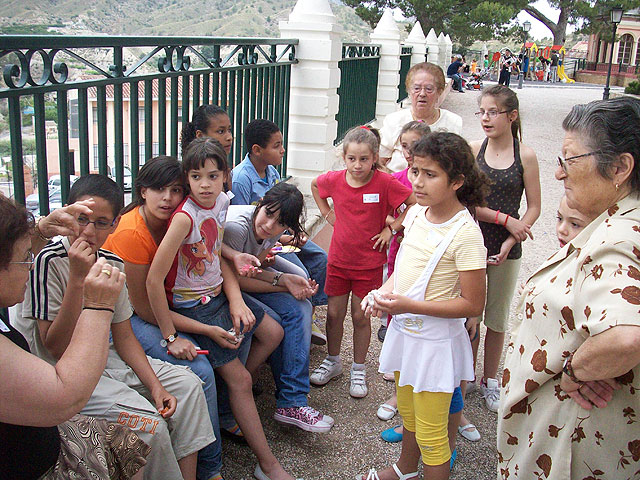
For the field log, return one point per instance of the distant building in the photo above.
(579, 50)
(626, 53)
(53, 164)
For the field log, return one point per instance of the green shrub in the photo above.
(633, 88)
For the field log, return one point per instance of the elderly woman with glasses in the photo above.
(425, 84)
(38, 435)
(577, 346)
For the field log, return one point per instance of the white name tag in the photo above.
(370, 198)
(3, 327)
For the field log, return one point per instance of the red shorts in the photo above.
(341, 281)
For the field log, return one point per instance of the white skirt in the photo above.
(432, 354)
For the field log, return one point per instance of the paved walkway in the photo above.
(353, 445)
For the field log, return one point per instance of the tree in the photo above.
(465, 21)
(587, 16)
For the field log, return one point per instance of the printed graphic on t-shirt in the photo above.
(194, 255)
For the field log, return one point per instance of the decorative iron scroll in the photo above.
(170, 58)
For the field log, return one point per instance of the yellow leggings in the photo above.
(426, 414)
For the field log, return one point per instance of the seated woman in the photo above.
(38, 435)
(284, 289)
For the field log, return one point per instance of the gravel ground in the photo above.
(354, 444)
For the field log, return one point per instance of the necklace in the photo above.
(157, 236)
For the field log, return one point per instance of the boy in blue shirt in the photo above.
(253, 177)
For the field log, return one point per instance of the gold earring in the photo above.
(617, 187)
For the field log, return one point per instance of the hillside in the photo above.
(219, 18)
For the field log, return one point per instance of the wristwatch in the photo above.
(393, 232)
(170, 339)
(567, 368)
(276, 278)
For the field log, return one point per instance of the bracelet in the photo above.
(496, 220)
(100, 309)
(505, 221)
(39, 232)
(327, 215)
(276, 279)
(567, 368)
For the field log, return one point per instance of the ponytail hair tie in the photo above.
(365, 127)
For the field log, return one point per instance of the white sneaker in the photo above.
(471, 386)
(491, 393)
(325, 372)
(358, 387)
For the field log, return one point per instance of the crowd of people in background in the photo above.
(222, 278)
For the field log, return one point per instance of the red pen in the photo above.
(199, 352)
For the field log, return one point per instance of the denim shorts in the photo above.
(216, 312)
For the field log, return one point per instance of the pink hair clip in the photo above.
(365, 127)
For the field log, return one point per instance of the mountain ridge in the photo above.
(218, 18)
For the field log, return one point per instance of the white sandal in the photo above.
(470, 432)
(386, 412)
(373, 474)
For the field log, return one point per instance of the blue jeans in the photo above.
(313, 260)
(457, 81)
(149, 336)
(290, 360)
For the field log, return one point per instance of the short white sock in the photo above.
(334, 358)
(358, 366)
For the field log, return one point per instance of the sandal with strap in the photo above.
(373, 474)
(386, 412)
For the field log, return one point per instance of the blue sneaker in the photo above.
(391, 436)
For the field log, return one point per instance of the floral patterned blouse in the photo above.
(590, 285)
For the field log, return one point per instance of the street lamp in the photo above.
(616, 18)
(526, 26)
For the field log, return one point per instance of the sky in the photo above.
(538, 30)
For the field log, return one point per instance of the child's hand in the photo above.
(370, 310)
(472, 326)
(391, 303)
(382, 239)
(269, 260)
(183, 349)
(505, 248)
(165, 402)
(301, 242)
(81, 259)
(246, 265)
(286, 239)
(241, 316)
(223, 338)
(519, 229)
(298, 286)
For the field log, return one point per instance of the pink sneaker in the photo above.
(306, 418)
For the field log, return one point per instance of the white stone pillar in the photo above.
(416, 39)
(434, 49)
(442, 54)
(314, 82)
(449, 44)
(387, 35)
